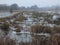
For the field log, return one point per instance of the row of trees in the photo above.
(5, 7)
(16, 7)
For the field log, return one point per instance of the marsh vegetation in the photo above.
(34, 28)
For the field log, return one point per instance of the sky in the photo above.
(28, 3)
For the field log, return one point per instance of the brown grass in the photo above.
(7, 41)
(48, 29)
(21, 18)
(57, 22)
(41, 40)
(39, 29)
(36, 28)
(25, 43)
(57, 29)
(5, 26)
(55, 39)
(19, 28)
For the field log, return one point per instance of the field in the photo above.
(29, 28)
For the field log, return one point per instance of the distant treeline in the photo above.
(4, 7)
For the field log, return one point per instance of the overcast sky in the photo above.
(26, 3)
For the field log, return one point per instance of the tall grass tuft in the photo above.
(7, 41)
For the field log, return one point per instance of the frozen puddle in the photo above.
(23, 37)
(6, 14)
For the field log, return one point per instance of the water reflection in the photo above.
(5, 14)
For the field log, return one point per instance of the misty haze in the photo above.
(29, 22)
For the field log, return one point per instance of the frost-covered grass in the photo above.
(34, 28)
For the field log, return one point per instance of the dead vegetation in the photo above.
(20, 18)
(57, 22)
(37, 39)
(5, 26)
(18, 28)
(36, 28)
(40, 29)
(23, 43)
(57, 29)
(7, 41)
